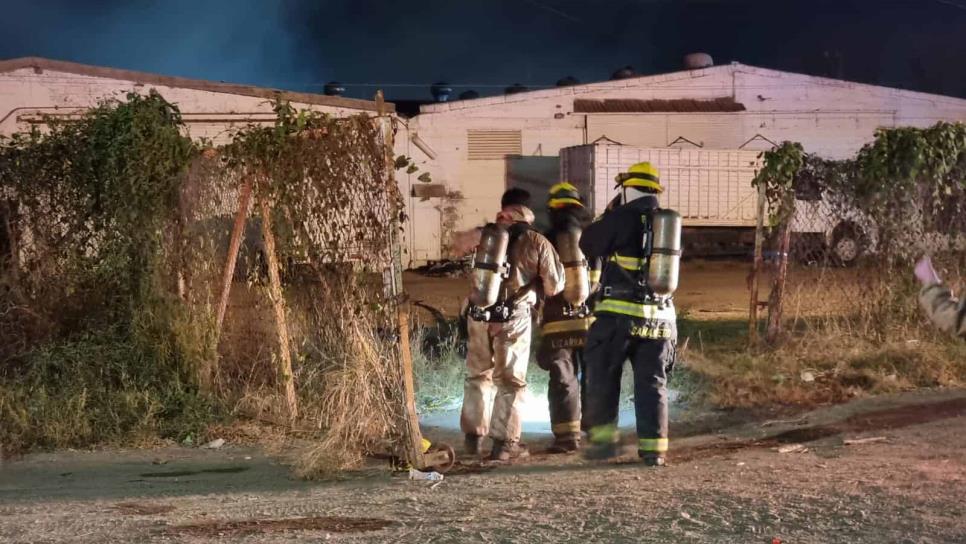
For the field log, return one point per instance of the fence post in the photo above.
(413, 438)
(777, 298)
(277, 297)
(756, 268)
(234, 244)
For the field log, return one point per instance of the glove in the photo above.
(925, 272)
(672, 360)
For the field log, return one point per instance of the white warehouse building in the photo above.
(475, 149)
(31, 88)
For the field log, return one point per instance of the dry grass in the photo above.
(818, 364)
(358, 406)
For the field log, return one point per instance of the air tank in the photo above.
(576, 275)
(665, 265)
(489, 266)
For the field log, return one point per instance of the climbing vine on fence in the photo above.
(326, 180)
(94, 344)
(114, 247)
(777, 177)
(88, 202)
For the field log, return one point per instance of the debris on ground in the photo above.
(444, 269)
(688, 517)
(773, 422)
(860, 441)
(214, 444)
(431, 476)
(139, 509)
(793, 448)
(262, 526)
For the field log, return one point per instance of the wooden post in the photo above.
(414, 445)
(756, 269)
(234, 244)
(396, 284)
(278, 304)
(777, 298)
(413, 441)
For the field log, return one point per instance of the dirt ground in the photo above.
(726, 482)
(708, 290)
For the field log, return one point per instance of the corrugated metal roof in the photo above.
(38, 63)
(682, 105)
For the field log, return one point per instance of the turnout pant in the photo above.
(496, 358)
(564, 391)
(610, 342)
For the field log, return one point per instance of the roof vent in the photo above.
(334, 88)
(626, 72)
(441, 91)
(697, 61)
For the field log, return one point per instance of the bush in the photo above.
(99, 388)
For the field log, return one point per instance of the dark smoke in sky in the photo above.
(488, 44)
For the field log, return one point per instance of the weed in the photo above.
(100, 388)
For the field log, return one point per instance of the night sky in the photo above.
(405, 45)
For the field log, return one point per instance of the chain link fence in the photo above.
(263, 276)
(837, 248)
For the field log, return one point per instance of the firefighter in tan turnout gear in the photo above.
(513, 266)
(566, 318)
(635, 317)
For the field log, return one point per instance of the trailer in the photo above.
(711, 188)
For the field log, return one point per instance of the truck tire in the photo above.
(849, 244)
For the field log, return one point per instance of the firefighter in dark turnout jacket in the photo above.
(566, 318)
(631, 322)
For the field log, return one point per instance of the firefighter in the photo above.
(566, 319)
(499, 335)
(632, 322)
(945, 311)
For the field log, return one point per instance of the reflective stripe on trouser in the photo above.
(496, 359)
(610, 342)
(652, 445)
(563, 390)
(650, 320)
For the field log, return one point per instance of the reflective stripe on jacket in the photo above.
(617, 236)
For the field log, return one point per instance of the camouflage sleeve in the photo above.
(945, 311)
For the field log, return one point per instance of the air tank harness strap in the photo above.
(636, 309)
(493, 267)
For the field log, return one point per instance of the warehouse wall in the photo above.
(832, 118)
(26, 95)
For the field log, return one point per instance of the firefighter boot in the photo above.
(565, 444)
(651, 459)
(601, 452)
(473, 444)
(505, 451)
